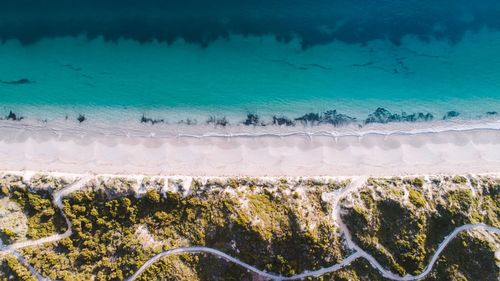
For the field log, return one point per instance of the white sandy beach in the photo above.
(77, 149)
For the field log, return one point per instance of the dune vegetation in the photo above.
(284, 226)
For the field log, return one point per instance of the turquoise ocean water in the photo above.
(58, 76)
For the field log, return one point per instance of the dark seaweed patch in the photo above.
(337, 119)
(329, 117)
(399, 67)
(71, 67)
(188, 121)
(81, 118)
(252, 119)
(382, 115)
(280, 121)
(302, 67)
(21, 81)
(319, 66)
(309, 118)
(13, 116)
(363, 64)
(451, 114)
(212, 120)
(145, 119)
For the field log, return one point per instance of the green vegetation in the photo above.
(403, 234)
(359, 270)
(12, 269)
(283, 227)
(416, 198)
(7, 235)
(459, 180)
(468, 257)
(194, 267)
(418, 182)
(44, 218)
(256, 226)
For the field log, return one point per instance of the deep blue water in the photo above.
(176, 59)
(315, 22)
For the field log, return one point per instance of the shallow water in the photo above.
(54, 77)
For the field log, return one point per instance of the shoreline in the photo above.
(167, 150)
(129, 128)
(331, 118)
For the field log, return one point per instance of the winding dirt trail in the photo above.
(222, 255)
(359, 253)
(335, 198)
(57, 199)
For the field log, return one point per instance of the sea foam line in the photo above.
(165, 131)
